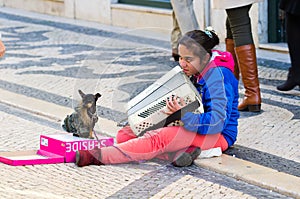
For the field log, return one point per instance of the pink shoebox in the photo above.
(31, 157)
(66, 145)
(54, 149)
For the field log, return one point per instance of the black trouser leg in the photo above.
(293, 40)
(238, 25)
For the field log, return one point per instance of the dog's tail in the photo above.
(69, 124)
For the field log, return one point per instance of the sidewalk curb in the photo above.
(252, 173)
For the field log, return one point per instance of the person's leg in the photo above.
(228, 29)
(293, 31)
(240, 26)
(206, 142)
(229, 42)
(185, 157)
(293, 41)
(125, 134)
(175, 36)
(90, 157)
(152, 144)
(185, 15)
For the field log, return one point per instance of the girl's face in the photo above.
(190, 63)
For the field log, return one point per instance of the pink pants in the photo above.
(157, 143)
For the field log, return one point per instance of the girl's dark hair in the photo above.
(207, 39)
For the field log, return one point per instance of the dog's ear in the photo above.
(81, 93)
(97, 96)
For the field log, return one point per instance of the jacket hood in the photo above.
(218, 59)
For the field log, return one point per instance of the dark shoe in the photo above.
(287, 86)
(175, 54)
(187, 157)
(88, 157)
(290, 82)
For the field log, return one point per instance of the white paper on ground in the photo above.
(209, 153)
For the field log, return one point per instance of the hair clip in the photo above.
(208, 31)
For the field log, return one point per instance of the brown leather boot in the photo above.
(230, 48)
(88, 157)
(246, 56)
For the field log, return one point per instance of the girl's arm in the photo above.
(217, 105)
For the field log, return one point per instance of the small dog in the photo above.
(82, 122)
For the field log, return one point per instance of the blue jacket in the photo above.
(219, 90)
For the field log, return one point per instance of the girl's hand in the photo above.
(173, 105)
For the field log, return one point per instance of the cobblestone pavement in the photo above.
(50, 58)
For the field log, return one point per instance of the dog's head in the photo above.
(89, 100)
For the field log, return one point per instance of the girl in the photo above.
(212, 72)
